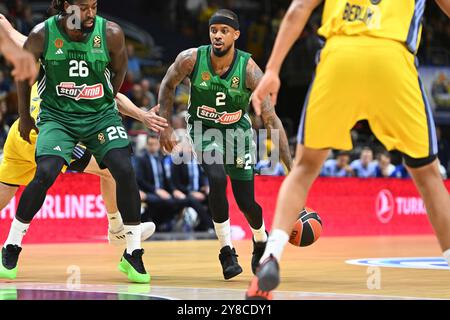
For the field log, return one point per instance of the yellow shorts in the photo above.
(19, 165)
(367, 78)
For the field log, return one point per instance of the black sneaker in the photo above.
(230, 265)
(132, 265)
(258, 251)
(10, 256)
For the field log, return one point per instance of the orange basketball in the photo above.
(307, 228)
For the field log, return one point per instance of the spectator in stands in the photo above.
(5, 86)
(155, 188)
(164, 204)
(147, 91)
(189, 180)
(24, 19)
(258, 32)
(138, 97)
(401, 172)
(338, 167)
(134, 65)
(364, 167)
(195, 7)
(127, 84)
(384, 168)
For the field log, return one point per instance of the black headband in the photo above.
(224, 20)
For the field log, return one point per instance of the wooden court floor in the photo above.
(191, 269)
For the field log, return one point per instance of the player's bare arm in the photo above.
(149, 118)
(180, 69)
(445, 6)
(22, 61)
(15, 35)
(268, 114)
(290, 29)
(35, 45)
(118, 54)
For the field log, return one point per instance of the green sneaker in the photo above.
(9, 257)
(132, 265)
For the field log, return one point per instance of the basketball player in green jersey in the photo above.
(222, 80)
(84, 61)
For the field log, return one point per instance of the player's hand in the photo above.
(24, 64)
(268, 86)
(26, 124)
(168, 139)
(152, 121)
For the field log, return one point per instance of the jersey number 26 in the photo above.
(78, 69)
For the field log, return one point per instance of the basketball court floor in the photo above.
(398, 267)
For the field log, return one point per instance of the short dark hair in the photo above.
(343, 153)
(58, 5)
(152, 135)
(386, 154)
(227, 13)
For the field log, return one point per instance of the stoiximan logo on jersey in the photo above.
(70, 90)
(224, 117)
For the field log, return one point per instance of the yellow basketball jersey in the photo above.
(35, 101)
(399, 20)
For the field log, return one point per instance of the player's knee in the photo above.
(416, 163)
(45, 177)
(124, 172)
(246, 205)
(48, 169)
(106, 175)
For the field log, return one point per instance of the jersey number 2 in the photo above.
(220, 99)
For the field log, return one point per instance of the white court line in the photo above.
(384, 262)
(188, 293)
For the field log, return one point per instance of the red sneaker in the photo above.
(267, 278)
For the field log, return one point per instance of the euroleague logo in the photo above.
(384, 206)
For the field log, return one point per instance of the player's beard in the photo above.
(220, 53)
(85, 29)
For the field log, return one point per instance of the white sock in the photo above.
(447, 256)
(260, 235)
(275, 244)
(133, 237)
(16, 232)
(223, 232)
(115, 222)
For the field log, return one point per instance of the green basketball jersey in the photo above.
(75, 77)
(219, 102)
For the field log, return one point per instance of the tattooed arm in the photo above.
(180, 69)
(269, 117)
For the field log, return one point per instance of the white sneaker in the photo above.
(118, 238)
